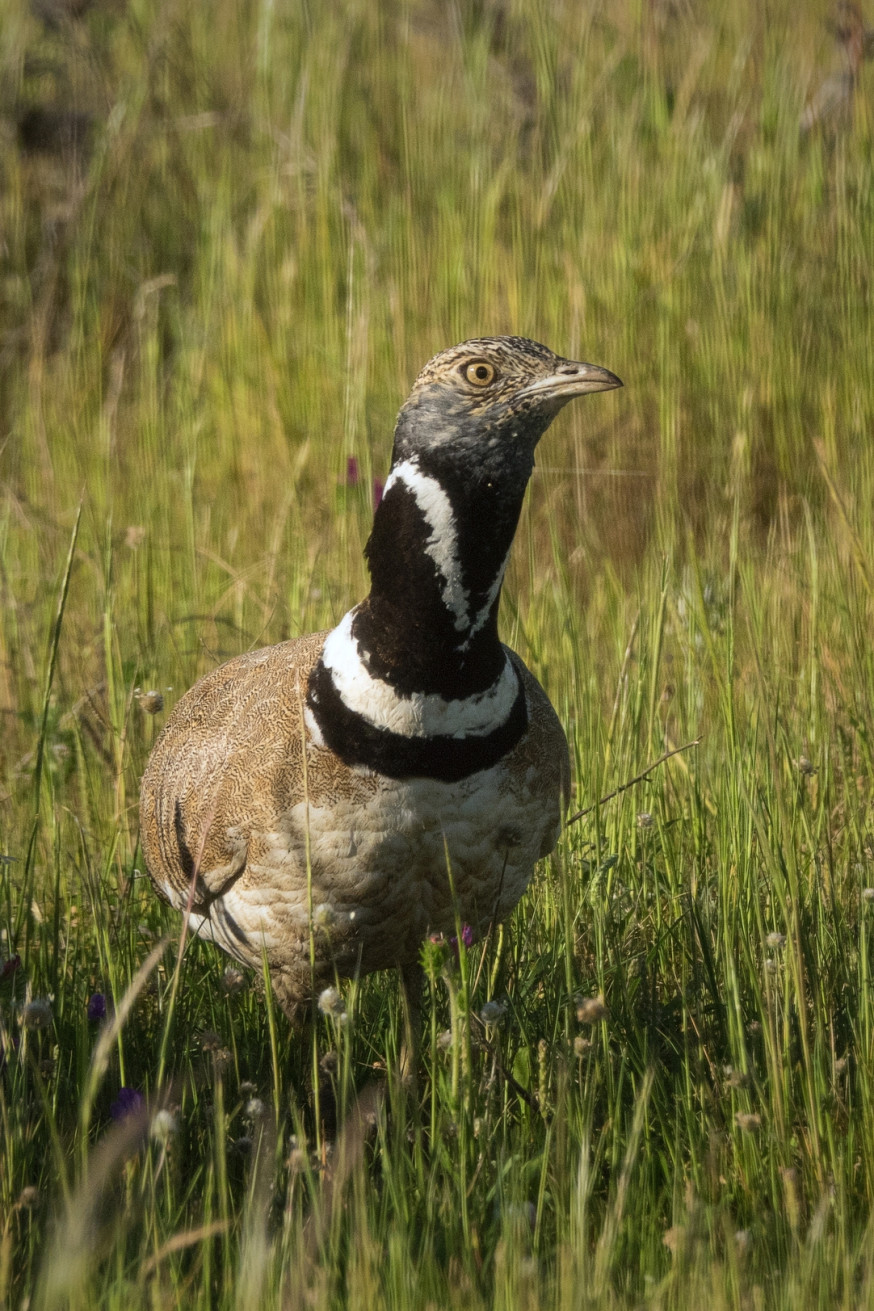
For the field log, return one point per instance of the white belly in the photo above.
(418, 857)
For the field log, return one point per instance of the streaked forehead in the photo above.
(511, 355)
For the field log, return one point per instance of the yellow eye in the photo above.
(480, 373)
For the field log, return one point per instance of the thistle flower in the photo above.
(96, 1007)
(9, 967)
(466, 938)
(130, 1101)
(353, 474)
(434, 955)
(645, 819)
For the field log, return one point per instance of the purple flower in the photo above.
(97, 1007)
(353, 475)
(378, 489)
(128, 1102)
(466, 938)
(9, 967)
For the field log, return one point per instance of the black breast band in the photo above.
(449, 759)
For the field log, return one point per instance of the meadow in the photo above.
(230, 235)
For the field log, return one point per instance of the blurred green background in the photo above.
(230, 235)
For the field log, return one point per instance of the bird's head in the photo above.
(490, 400)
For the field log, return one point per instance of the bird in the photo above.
(327, 804)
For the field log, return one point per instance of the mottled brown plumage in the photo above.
(228, 772)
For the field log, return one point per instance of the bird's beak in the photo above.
(572, 379)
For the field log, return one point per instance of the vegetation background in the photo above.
(230, 234)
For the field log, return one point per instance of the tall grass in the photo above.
(215, 287)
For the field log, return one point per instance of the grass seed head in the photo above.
(151, 702)
(233, 980)
(735, 1078)
(164, 1125)
(674, 1238)
(331, 1003)
(493, 1012)
(591, 1010)
(37, 1014)
(743, 1241)
(297, 1160)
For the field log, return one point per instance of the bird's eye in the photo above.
(480, 373)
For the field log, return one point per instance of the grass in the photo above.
(207, 305)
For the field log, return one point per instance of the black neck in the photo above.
(407, 632)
